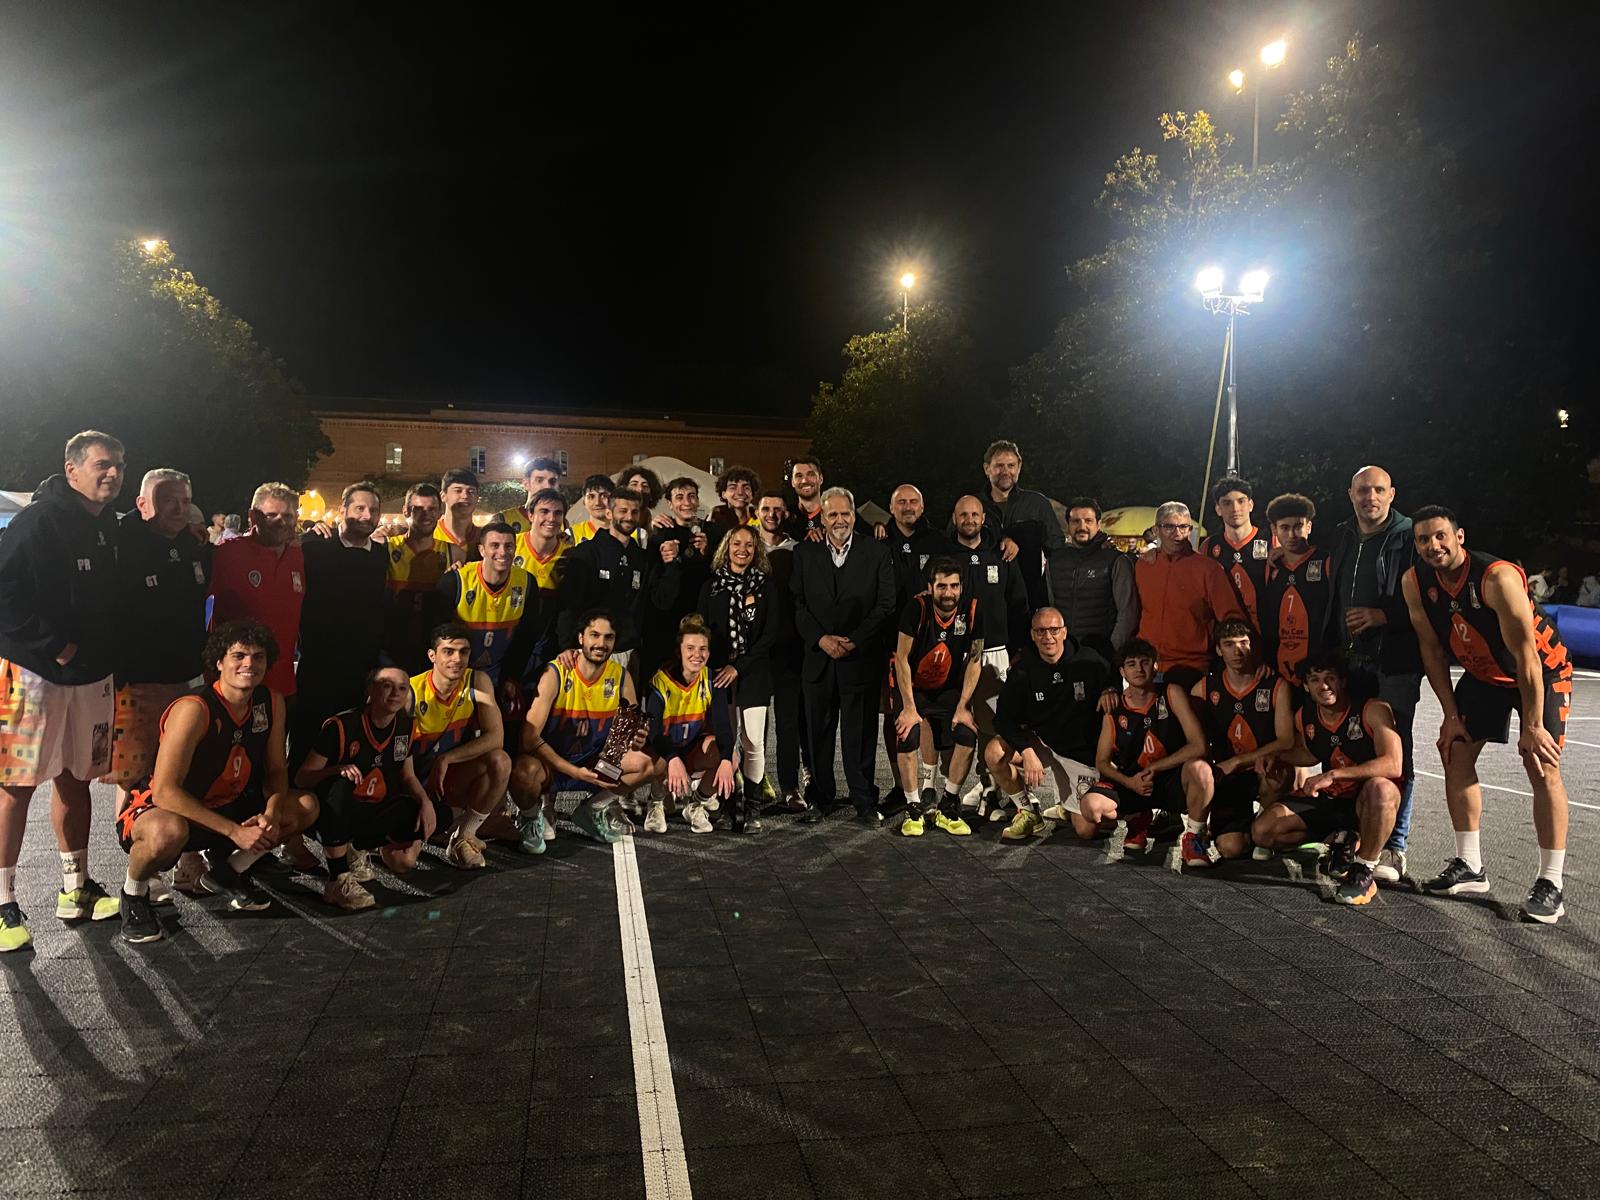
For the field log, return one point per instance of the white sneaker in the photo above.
(1391, 866)
(695, 813)
(361, 866)
(463, 855)
(344, 892)
(973, 796)
(655, 820)
(160, 892)
(186, 875)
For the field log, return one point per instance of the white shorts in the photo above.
(998, 660)
(47, 728)
(1070, 777)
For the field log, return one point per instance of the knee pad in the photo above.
(912, 742)
(964, 736)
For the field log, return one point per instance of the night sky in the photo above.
(685, 213)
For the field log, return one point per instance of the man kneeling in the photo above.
(368, 792)
(220, 785)
(1359, 751)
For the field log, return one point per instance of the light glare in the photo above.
(908, 281)
(151, 245)
(1273, 52)
(1254, 283)
(1209, 281)
(1237, 79)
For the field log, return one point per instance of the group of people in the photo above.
(373, 691)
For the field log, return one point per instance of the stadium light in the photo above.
(1272, 55)
(1236, 77)
(150, 244)
(1251, 289)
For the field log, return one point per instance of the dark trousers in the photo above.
(851, 709)
(788, 718)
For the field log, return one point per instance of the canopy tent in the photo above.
(1126, 525)
(667, 469)
(11, 503)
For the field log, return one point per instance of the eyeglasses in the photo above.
(1049, 630)
(1171, 528)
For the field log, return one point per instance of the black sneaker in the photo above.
(1543, 903)
(139, 922)
(244, 894)
(1457, 878)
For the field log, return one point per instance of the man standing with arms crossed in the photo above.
(1368, 617)
(57, 566)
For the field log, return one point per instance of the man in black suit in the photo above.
(844, 601)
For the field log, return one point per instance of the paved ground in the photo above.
(846, 1013)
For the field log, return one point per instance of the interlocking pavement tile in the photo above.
(587, 1071)
(711, 1021)
(341, 1037)
(924, 1051)
(912, 1008)
(1182, 1185)
(334, 1089)
(767, 977)
(697, 985)
(307, 1145)
(511, 996)
(601, 1025)
(776, 1172)
(1175, 1080)
(479, 1180)
(592, 1177)
(823, 1056)
(1426, 1174)
(582, 1125)
(1024, 1039)
(731, 1061)
(1333, 1176)
(1258, 1135)
(443, 1079)
(1016, 1160)
(968, 1099)
(472, 1033)
(458, 1133)
(734, 1116)
(1529, 1014)
(1143, 1145)
(1069, 1093)
(998, 1001)
(854, 1109)
(803, 1013)
(904, 1166)
(580, 989)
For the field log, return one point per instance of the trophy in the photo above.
(620, 739)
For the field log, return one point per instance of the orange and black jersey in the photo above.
(1469, 630)
(1245, 564)
(380, 754)
(1295, 600)
(1240, 722)
(1344, 740)
(939, 645)
(231, 758)
(1144, 735)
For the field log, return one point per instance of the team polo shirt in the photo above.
(252, 582)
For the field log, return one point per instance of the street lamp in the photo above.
(150, 244)
(1272, 55)
(1211, 283)
(907, 282)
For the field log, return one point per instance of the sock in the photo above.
(1369, 863)
(135, 887)
(952, 788)
(8, 885)
(1190, 825)
(1551, 864)
(1467, 848)
(338, 866)
(74, 869)
(467, 823)
(242, 860)
(925, 773)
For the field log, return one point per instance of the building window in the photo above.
(392, 456)
(561, 457)
(716, 467)
(478, 461)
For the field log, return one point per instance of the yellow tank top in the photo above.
(544, 571)
(517, 517)
(582, 711)
(490, 614)
(439, 722)
(414, 571)
(582, 531)
(684, 710)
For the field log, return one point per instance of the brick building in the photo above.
(376, 439)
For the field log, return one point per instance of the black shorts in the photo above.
(1167, 795)
(1324, 815)
(937, 709)
(252, 803)
(345, 819)
(1486, 707)
(1233, 803)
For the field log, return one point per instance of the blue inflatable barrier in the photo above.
(1580, 630)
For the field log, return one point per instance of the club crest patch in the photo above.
(255, 578)
(1314, 572)
(260, 718)
(992, 574)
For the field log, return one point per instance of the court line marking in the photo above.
(666, 1168)
(1494, 787)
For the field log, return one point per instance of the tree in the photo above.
(121, 338)
(896, 413)
(1386, 333)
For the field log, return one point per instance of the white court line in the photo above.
(666, 1169)
(1494, 787)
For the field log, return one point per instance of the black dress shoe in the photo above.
(868, 817)
(815, 815)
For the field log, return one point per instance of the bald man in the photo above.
(1368, 617)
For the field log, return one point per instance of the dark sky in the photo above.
(682, 211)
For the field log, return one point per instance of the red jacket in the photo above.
(252, 582)
(1181, 599)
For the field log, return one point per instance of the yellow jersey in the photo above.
(438, 722)
(517, 517)
(581, 715)
(490, 613)
(545, 571)
(679, 712)
(448, 541)
(582, 531)
(414, 572)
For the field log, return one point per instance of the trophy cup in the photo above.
(620, 739)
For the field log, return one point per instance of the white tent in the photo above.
(11, 503)
(668, 468)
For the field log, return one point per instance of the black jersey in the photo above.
(939, 645)
(1245, 565)
(1143, 735)
(1469, 630)
(1240, 722)
(231, 758)
(1344, 741)
(1294, 610)
(380, 754)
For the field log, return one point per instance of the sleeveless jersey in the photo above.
(412, 574)
(1346, 741)
(685, 709)
(232, 756)
(1143, 735)
(545, 572)
(490, 614)
(939, 645)
(1240, 722)
(439, 723)
(581, 715)
(582, 531)
(349, 739)
(1244, 564)
(517, 517)
(1469, 629)
(1294, 609)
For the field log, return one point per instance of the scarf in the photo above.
(733, 588)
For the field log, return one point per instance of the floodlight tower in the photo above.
(1251, 289)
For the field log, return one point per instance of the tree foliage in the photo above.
(122, 338)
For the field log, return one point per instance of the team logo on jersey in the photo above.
(1433, 594)
(1122, 721)
(1472, 595)
(1161, 710)
(1258, 548)
(150, 581)
(1038, 697)
(1077, 689)
(294, 578)
(516, 597)
(609, 688)
(395, 555)
(636, 581)
(173, 554)
(1263, 699)
(402, 746)
(605, 573)
(1216, 697)
(238, 736)
(260, 719)
(199, 573)
(1352, 727)
(422, 709)
(1311, 731)
(255, 578)
(992, 573)
(1055, 677)
(944, 635)
(355, 748)
(960, 627)
(1314, 572)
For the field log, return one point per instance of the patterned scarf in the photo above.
(733, 588)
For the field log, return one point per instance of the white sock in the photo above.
(925, 774)
(136, 887)
(74, 869)
(952, 788)
(1551, 864)
(1369, 863)
(242, 860)
(1190, 825)
(8, 885)
(467, 823)
(1467, 848)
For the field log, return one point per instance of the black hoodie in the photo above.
(58, 586)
